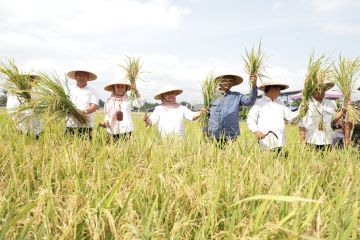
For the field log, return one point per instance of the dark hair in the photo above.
(267, 89)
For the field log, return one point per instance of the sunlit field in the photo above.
(146, 188)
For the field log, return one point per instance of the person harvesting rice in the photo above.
(315, 126)
(118, 120)
(26, 122)
(85, 99)
(169, 115)
(266, 117)
(223, 122)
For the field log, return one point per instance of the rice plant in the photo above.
(16, 82)
(210, 92)
(254, 62)
(318, 73)
(51, 100)
(132, 67)
(67, 188)
(345, 75)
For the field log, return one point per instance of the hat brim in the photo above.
(110, 87)
(72, 74)
(177, 92)
(235, 79)
(327, 86)
(282, 86)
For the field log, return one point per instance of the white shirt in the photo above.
(171, 120)
(126, 125)
(24, 120)
(327, 108)
(82, 98)
(267, 115)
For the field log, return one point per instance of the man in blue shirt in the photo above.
(224, 111)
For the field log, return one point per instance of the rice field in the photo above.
(146, 188)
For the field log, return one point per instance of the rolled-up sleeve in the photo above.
(250, 99)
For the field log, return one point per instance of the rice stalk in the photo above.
(132, 67)
(51, 99)
(210, 92)
(254, 62)
(16, 83)
(318, 71)
(345, 74)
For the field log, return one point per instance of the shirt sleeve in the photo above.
(188, 114)
(252, 118)
(94, 98)
(155, 116)
(289, 115)
(250, 99)
(106, 116)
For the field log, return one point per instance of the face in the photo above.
(275, 91)
(120, 89)
(319, 94)
(169, 97)
(81, 78)
(225, 84)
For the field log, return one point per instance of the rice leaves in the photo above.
(16, 83)
(210, 91)
(318, 72)
(51, 99)
(345, 74)
(132, 67)
(254, 62)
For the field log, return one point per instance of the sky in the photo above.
(179, 41)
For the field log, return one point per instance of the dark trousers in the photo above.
(117, 137)
(81, 132)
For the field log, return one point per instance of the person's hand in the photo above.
(133, 86)
(104, 124)
(253, 79)
(205, 111)
(146, 118)
(259, 135)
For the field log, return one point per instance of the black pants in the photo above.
(117, 137)
(81, 132)
(36, 136)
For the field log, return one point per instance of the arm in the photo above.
(252, 120)
(250, 100)
(289, 115)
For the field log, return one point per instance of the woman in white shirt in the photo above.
(169, 115)
(118, 120)
(85, 99)
(266, 117)
(315, 127)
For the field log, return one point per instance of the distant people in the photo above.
(25, 121)
(266, 119)
(117, 109)
(85, 99)
(223, 123)
(170, 115)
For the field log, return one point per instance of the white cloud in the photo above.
(349, 29)
(87, 16)
(331, 5)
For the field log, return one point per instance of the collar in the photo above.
(266, 98)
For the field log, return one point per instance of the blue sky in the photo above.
(179, 41)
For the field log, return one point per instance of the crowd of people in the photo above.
(266, 119)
